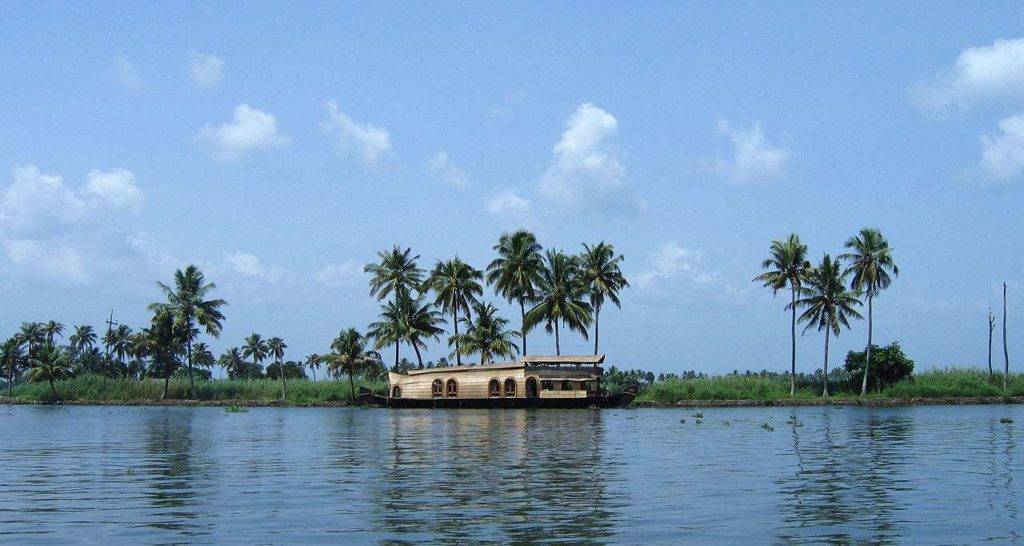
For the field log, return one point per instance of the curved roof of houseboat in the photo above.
(524, 361)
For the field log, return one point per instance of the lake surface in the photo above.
(272, 475)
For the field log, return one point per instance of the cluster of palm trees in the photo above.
(830, 293)
(552, 288)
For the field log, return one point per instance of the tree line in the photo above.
(550, 287)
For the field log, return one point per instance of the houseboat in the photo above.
(530, 382)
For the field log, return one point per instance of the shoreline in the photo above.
(798, 402)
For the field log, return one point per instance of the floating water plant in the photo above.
(1006, 420)
(236, 409)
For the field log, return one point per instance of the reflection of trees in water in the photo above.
(492, 475)
(1002, 447)
(842, 489)
(168, 444)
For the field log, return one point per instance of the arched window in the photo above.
(510, 387)
(451, 388)
(566, 386)
(437, 388)
(396, 392)
(531, 387)
(494, 388)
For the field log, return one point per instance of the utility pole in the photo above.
(1006, 354)
(106, 344)
(991, 326)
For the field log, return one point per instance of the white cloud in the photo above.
(978, 74)
(126, 73)
(249, 130)
(369, 142)
(49, 228)
(753, 160)
(586, 173)
(447, 171)
(205, 70)
(672, 261)
(507, 203)
(1002, 155)
(116, 188)
(344, 274)
(250, 265)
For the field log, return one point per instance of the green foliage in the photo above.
(292, 370)
(888, 365)
(952, 382)
(93, 388)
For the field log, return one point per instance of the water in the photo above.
(169, 475)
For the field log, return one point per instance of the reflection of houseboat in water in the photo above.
(530, 382)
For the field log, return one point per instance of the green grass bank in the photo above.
(92, 388)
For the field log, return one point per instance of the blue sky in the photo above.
(281, 147)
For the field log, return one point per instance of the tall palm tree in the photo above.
(560, 298)
(488, 335)
(516, 272)
(276, 347)
(390, 328)
(49, 364)
(787, 266)
(829, 305)
(871, 264)
(313, 362)
(397, 275)
(10, 359)
(602, 279)
(233, 363)
(53, 329)
(202, 356)
(256, 349)
(83, 339)
(349, 353)
(457, 286)
(187, 301)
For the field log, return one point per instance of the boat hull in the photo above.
(616, 401)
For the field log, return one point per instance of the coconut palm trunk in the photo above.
(792, 339)
(10, 374)
(191, 381)
(991, 374)
(396, 355)
(824, 391)
(455, 323)
(351, 382)
(522, 331)
(53, 389)
(284, 381)
(167, 382)
(867, 354)
(597, 326)
(558, 344)
(419, 357)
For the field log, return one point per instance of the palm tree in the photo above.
(233, 363)
(83, 339)
(50, 363)
(313, 362)
(30, 335)
(602, 278)
(187, 301)
(829, 304)
(560, 297)
(390, 328)
(10, 358)
(350, 354)
(396, 275)
(138, 349)
(488, 335)
(202, 356)
(256, 349)
(457, 286)
(166, 342)
(121, 344)
(53, 329)
(871, 264)
(276, 347)
(787, 266)
(515, 273)
(422, 322)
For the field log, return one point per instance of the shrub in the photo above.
(888, 366)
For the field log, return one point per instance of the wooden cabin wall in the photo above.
(472, 384)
